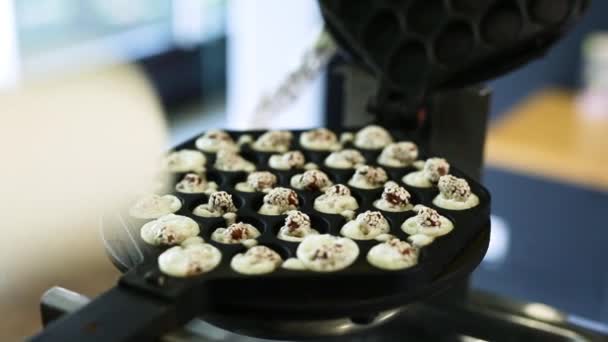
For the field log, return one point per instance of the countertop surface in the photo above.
(546, 136)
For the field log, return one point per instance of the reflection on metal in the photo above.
(483, 317)
(543, 312)
(275, 329)
(499, 242)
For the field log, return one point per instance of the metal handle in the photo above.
(57, 301)
(119, 314)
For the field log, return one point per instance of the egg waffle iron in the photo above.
(144, 296)
(417, 46)
(412, 48)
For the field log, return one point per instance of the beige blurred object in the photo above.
(71, 148)
(546, 136)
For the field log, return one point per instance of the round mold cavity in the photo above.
(396, 173)
(315, 156)
(365, 197)
(417, 196)
(380, 33)
(370, 155)
(549, 12)
(456, 212)
(454, 43)
(319, 223)
(215, 176)
(284, 177)
(396, 219)
(469, 6)
(423, 16)
(502, 24)
(229, 174)
(253, 156)
(240, 178)
(256, 200)
(409, 64)
(191, 201)
(353, 13)
(207, 225)
(425, 195)
(339, 176)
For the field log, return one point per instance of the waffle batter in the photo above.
(400, 154)
(169, 230)
(394, 198)
(455, 194)
(155, 206)
(193, 183)
(336, 200)
(297, 226)
(193, 257)
(368, 177)
(311, 180)
(235, 233)
(279, 201)
(257, 260)
(185, 161)
(287, 161)
(259, 181)
(345, 159)
(372, 137)
(215, 140)
(232, 161)
(273, 141)
(432, 170)
(393, 254)
(219, 204)
(426, 226)
(320, 139)
(327, 253)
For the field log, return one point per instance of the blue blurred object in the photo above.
(556, 249)
(560, 68)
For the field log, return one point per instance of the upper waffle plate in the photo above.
(298, 290)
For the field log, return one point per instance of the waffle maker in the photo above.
(413, 49)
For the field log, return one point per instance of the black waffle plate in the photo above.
(305, 293)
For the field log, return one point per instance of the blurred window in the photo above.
(58, 34)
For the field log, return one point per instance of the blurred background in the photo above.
(205, 63)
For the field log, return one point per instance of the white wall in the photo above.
(266, 38)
